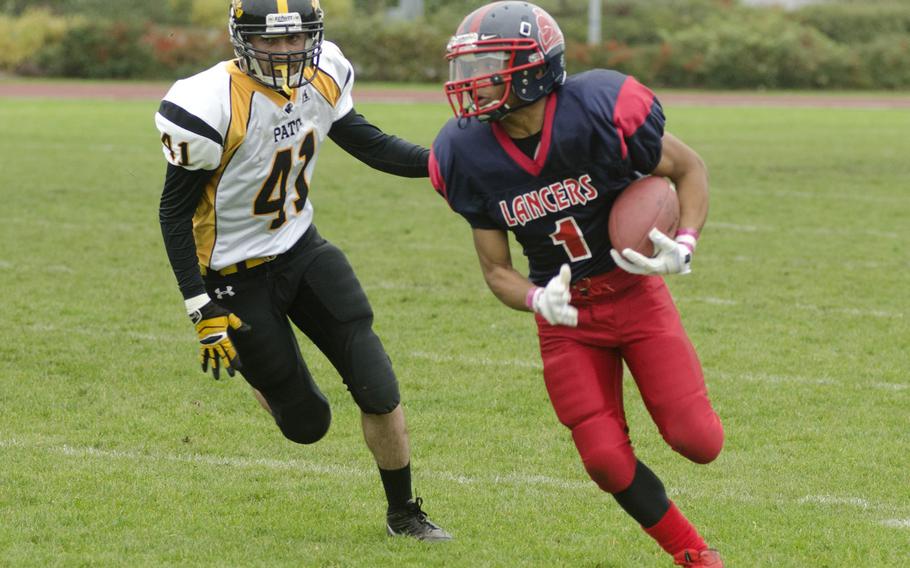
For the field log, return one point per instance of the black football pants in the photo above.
(313, 286)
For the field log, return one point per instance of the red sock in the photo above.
(674, 533)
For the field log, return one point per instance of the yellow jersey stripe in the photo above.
(327, 87)
(205, 229)
(282, 6)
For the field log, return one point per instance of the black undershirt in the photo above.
(183, 189)
(528, 145)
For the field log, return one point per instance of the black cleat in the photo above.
(411, 521)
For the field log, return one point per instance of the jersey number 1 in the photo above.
(278, 180)
(568, 234)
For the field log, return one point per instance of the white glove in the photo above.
(673, 257)
(552, 302)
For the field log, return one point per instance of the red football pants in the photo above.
(624, 317)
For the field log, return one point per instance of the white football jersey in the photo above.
(262, 148)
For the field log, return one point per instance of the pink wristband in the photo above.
(529, 297)
(688, 238)
(692, 232)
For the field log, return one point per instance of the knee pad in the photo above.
(699, 436)
(606, 453)
(299, 408)
(372, 381)
(381, 400)
(303, 422)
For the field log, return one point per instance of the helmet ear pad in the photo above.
(524, 81)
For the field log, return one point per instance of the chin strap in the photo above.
(505, 109)
(284, 71)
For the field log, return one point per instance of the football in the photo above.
(647, 203)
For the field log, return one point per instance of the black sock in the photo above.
(397, 485)
(645, 499)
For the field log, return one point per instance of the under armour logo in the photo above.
(228, 291)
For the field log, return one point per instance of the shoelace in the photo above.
(418, 502)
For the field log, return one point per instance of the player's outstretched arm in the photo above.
(384, 152)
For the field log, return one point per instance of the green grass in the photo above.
(116, 451)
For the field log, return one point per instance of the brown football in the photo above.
(647, 203)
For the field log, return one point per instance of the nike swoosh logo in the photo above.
(484, 37)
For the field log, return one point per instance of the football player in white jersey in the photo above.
(241, 140)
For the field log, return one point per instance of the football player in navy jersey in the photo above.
(241, 140)
(544, 156)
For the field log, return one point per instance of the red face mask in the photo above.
(477, 67)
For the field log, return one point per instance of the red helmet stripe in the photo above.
(477, 18)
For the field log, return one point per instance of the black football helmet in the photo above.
(281, 70)
(516, 44)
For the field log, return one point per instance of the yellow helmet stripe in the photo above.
(282, 6)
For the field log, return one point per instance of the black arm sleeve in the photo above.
(381, 151)
(182, 191)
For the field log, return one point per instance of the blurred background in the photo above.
(704, 44)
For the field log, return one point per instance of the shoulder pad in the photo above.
(193, 117)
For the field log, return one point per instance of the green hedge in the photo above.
(121, 50)
(666, 43)
(392, 52)
(887, 62)
(106, 50)
(768, 52)
(854, 24)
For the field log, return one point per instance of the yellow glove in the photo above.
(215, 347)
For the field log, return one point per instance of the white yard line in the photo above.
(737, 227)
(854, 312)
(510, 479)
(747, 377)
(94, 332)
(709, 300)
(824, 194)
(856, 502)
(478, 361)
(851, 311)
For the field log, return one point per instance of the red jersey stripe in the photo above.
(633, 105)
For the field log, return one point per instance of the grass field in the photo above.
(116, 451)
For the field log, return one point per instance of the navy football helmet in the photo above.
(274, 18)
(516, 44)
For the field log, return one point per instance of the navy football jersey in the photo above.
(601, 131)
